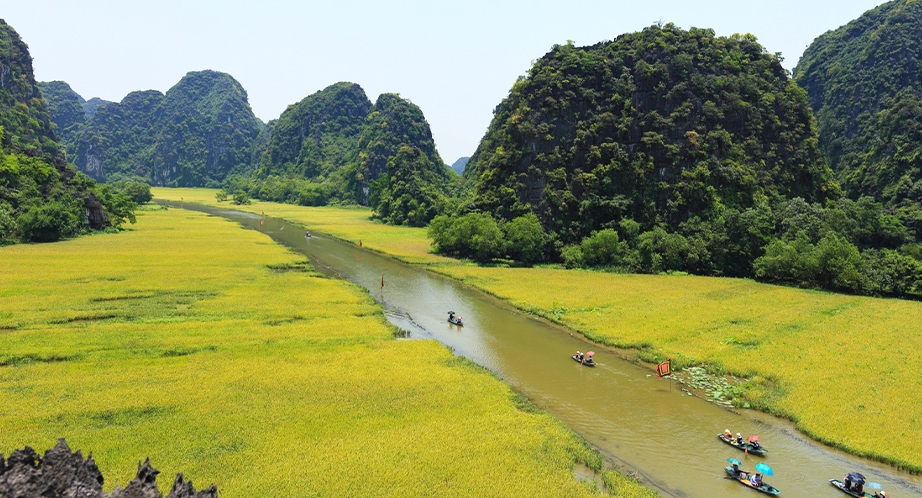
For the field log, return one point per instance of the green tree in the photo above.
(525, 238)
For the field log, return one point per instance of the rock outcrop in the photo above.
(61, 472)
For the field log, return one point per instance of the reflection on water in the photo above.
(639, 421)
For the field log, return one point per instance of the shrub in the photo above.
(48, 222)
(525, 238)
(601, 248)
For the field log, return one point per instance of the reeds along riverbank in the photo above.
(206, 347)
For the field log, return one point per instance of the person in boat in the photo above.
(756, 480)
(756, 445)
(859, 488)
(580, 356)
(739, 439)
(728, 435)
(879, 494)
(847, 483)
(736, 470)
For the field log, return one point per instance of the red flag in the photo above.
(664, 369)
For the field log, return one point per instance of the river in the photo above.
(642, 423)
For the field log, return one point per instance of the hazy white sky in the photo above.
(455, 60)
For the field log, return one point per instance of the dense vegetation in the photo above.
(66, 108)
(198, 133)
(673, 150)
(42, 199)
(864, 81)
(335, 146)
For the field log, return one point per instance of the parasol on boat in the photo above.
(753, 438)
(765, 469)
(734, 461)
(855, 478)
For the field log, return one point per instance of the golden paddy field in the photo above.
(236, 364)
(352, 224)
(844, 368)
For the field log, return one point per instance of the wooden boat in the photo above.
(455, 319)
(761, 451)
(743, 478)
(587, 361)
(841, 485)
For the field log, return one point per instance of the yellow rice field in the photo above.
(352, 224)
(844, 368)
(235, 364)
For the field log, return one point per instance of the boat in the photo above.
(455, 319)
(742, 478)
(761, 451)
(841, 485)
(863, 494)
(586, 361)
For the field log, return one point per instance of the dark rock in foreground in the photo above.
(66, 474)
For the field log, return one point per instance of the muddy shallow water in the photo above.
(644, 424)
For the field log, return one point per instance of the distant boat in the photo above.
(455, 319)
(587, 360)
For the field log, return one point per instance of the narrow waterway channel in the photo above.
(644, 424)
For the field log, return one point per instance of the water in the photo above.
(642, 423)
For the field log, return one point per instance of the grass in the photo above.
(844, 368)
(236, 364)
(352, 224)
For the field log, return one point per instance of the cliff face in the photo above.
(119, 138)
(864, 81)
(658, 126)
(23, 113)
(65, 106)
(206, 131)
(196, 134)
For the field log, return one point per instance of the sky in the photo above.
(456, 60)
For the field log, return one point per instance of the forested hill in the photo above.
(399, 164)
(41, 198)
(316, 137)
(196, 134)
(27, 126)
(660, 126)
(864, 81)
(66, 108)
(335, 145)
(459, 165)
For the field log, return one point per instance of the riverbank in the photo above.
(841, 367)
(217, 352)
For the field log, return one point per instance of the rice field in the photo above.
(236, 364)
(352, 224)
(844, 368)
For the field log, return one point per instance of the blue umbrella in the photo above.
(855, 478)
(734, 461)
(874, 485)
(765, 469)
